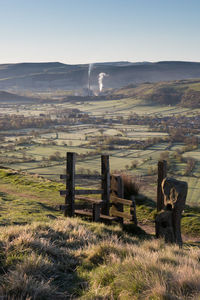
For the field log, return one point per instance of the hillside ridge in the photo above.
(56, 75)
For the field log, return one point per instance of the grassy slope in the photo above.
(25, 198)
(72, 258)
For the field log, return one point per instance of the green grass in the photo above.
(24, 198)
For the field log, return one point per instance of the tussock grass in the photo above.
(75, 259)
(131, 185)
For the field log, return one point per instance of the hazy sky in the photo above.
(82, 31)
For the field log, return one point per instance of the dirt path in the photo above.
(150, 229)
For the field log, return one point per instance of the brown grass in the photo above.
(131, 185)
(74, 259)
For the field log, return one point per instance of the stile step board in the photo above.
(123, 215)
(115, 199)
(83, 212)
(109, 218)
(89, 214)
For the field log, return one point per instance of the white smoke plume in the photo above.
(89, 72)
(101, 76)
(90, 69)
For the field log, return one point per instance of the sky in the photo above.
(88, 31)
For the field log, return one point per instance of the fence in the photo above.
(111, 205)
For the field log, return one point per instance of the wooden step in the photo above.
(83, 212)
(109, 218)
(89, 214)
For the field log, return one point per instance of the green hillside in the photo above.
(6, 97)
(25, 198)
(186, 93)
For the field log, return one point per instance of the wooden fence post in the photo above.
(117, 189)
(105, 172)
(70, 184)
(162, 173)
(133, 210)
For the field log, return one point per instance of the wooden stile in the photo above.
(98, 209)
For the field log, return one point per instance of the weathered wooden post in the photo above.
(133, 211)
(96, 210)
(117, 189)
(162, 173)
(105, 184)
(70, 184)
(168, 221)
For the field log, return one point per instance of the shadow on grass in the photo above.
(143, 200)
(59, 274)
(5, 197)
(137, 231)
(47, 207)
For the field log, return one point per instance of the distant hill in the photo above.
(10, 97)
(55, 75)
(183, 92)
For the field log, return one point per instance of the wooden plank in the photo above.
(82, 192)
(162, 173)
(123, 215)
(108, 218)
(83, 212)
(105, 184)
(88, 199)
(83, 176)
(70, 184)
(89, 214)
(115, 199)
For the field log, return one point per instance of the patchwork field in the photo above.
(103, 127)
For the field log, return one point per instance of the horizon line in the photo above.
(99, 62)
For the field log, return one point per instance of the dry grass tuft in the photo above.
(131, 185)
(74, 259)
